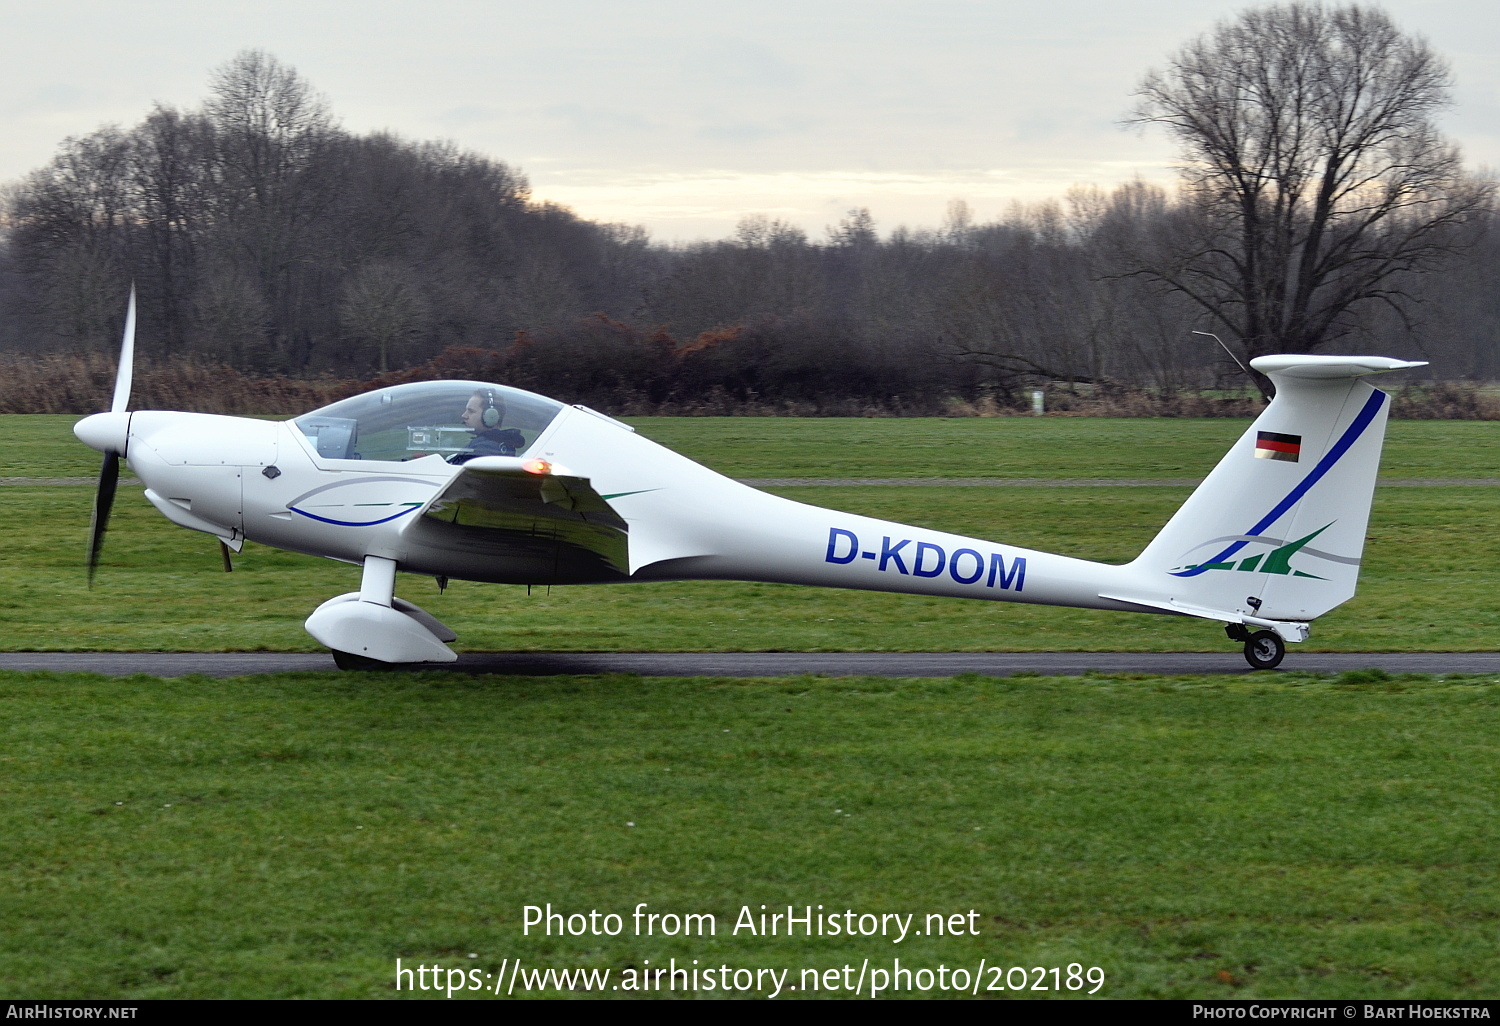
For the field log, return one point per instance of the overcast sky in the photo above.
(684, 116)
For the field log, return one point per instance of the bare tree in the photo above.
(761, 232)
(271, 120)
(274, 180)
(382, 310)
(856, 229)
(70, 222)
(1021, 304)
(231, 310)
(169, 155)
(958, 225)
(1316, 180)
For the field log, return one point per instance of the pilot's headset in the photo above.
(492, 413)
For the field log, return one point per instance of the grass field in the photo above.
(1017, 447)
(1272, 835)
(160, 587)
(1025, 447)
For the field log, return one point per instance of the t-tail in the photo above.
(1274, 535)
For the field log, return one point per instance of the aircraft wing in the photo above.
(528, 519)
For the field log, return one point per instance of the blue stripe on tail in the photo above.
(1348, 438)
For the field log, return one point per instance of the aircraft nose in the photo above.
(106, 432)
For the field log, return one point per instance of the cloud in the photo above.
(590, 120)
(49, 98)
(603, 103)
(721, 126)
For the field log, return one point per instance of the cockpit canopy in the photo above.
(406, 422)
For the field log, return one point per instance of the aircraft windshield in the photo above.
(407, 422)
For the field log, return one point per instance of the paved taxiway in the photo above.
(765, 664)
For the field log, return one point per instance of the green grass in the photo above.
(44, 446)
(1427, 584)
(1074, 447)
(291, 836)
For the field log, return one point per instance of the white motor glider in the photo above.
(482, 482)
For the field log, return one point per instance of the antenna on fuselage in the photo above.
(1226, 349)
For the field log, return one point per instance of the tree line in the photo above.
(1316, 204)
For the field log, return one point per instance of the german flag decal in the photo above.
(1272, 446)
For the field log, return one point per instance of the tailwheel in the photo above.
(350, 661)
(1264, 650)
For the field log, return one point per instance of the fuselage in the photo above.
(271, 482)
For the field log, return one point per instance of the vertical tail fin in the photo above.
(1277, 530)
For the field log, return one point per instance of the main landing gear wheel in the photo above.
(350, 661)
(1264, 650)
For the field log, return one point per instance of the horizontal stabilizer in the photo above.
(1294, 366)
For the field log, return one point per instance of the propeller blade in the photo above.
(224, 551)
(127, 359)
(109, 470)
(104, 500)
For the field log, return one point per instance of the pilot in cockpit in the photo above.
(483, 415)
